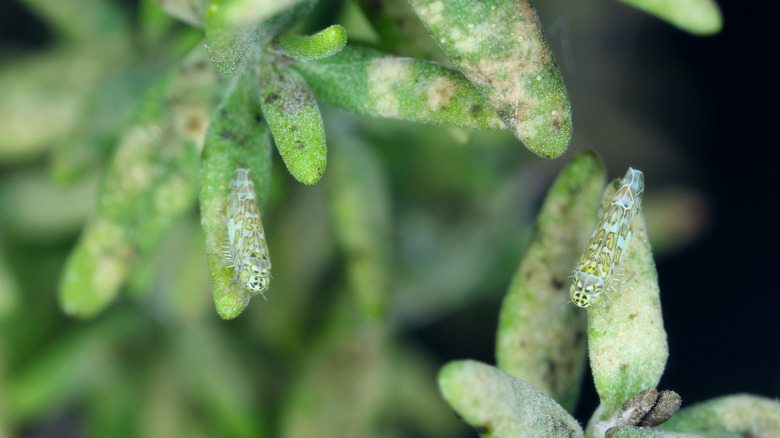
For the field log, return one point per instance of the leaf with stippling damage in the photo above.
(295, 122)
(365, 81)
(237, 138)
(499, 405)
(499, 46)
(151, 182)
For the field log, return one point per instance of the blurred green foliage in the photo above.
(112, 128)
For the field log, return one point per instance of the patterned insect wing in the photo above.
(246, 248)
(609, 241)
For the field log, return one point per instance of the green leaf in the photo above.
(552, 360)
(643, 432)
(626, 338)
(365, 81)
(83, 19)
(222, 386)
(295, 121)
(499, 405)
(9, 288)
(151, 182)
(237, 138)
(73, 365)
(344, 368)
(499, 46)
(400, 31)
(322, 44)
(362, 217)
(188, 11)
(700, 17)
(234, 26)
(731, 416)
(44, 96)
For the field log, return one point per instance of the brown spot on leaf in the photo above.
(271, 98)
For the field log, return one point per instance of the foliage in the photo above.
(395, 226)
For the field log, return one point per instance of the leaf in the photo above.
(151, 182)
(295, 121)
(626, 340)
(365, 81)
(499, 405)
(234, 26)
(361, 210)
(83, 19)
(499, 46)
(737, 415)
(699, 17)
(400, 31)
(188, 11)
(237, 137)
(643, 432)
(322, 44)
(552, 360)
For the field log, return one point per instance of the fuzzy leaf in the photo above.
(626, 338)
(552, 360)
(732, 416)
(500, 48)
(295, 121)
(322, 44)
(237, 137)
(151, 182)
(644, 432)
(365, 81)
(362, 218)
(700, 17)
(234, 26)
(499, 405)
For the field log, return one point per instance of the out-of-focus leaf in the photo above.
(237, 138)
(699, 17)
(221, 385)
(499, 405)
(9, 292)
(111, 107)
(322, 44)
(43, 98)
(676, 218)
(734, 416)
(151, 182)
(499, 46)
(362, 217)
(365, 81)
(400, 31)
(69, 369)
(552, 360)
(343, 370)
(36, 210)
(83, 19)
(188, 11)
(295, 121)
(233, 27)
(113, 408)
